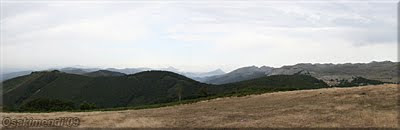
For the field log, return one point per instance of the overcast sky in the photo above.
(195, 36)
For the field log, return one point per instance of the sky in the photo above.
(195, 35)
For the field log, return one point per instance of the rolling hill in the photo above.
(138, 89)
(332, 74)
(103, 73)
(385, 71)
(144, 88)
(198, 76)
(237, 75)
(7, 76)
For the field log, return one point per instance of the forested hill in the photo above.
(52, 88)
(138, 89)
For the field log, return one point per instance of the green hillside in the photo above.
(103, 73)
(358, 81)
(57, 90)
(271, 84)
(138, 89)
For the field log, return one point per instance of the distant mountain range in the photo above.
(104, 73)
(202, 74)
(87, 71)
(129, 70)
(386, 71)
(14, 74)
(237, 75)
(332, 74)
(193, 75)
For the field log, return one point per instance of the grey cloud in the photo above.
(261, 27)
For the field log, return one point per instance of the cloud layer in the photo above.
(195, 36)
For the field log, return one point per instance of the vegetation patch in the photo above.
(358, 81)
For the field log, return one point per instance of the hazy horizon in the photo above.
(11, 70)
(195, 36)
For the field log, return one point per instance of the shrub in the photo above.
(45, 105)
(358, 81)
(87, 106)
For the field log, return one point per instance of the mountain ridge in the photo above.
(385, 71)
(103, 73)
(143, 88)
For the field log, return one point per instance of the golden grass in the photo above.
(367, 106)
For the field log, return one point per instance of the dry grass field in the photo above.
(367, 106)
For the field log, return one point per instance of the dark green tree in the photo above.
(44, 104)
(87, 106)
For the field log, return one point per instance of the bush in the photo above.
(45, 105)
(358, 81)
(87, 106)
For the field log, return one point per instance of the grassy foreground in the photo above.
(367, 106)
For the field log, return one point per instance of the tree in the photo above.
(87, 106)
(203, 91)
(44, 104)
(179, 89)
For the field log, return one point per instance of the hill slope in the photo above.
(7, 76)
(356, 107)
(144, 88)
(103, 73)
(138, 89)
(238, 75)
(385, 71)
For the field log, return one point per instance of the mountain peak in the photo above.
(104, 73)
(217, 71)
(170, 68)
